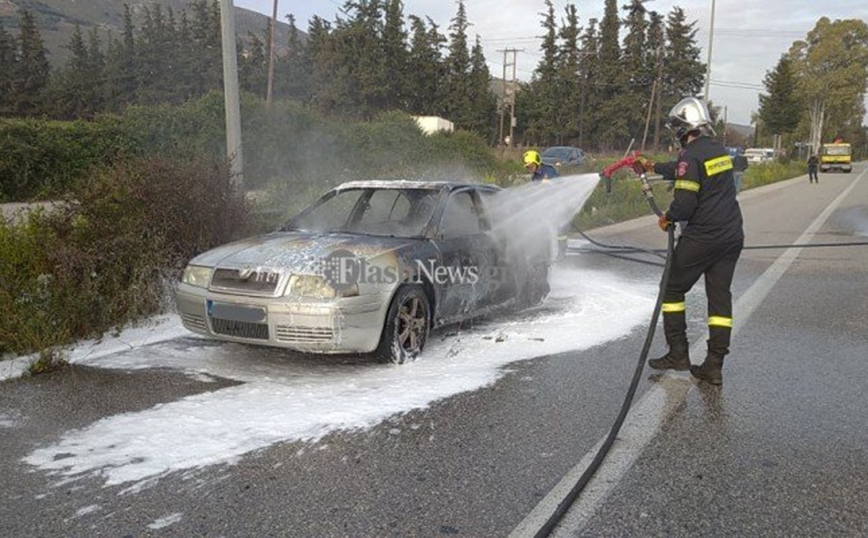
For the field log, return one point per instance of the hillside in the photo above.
(57, 18)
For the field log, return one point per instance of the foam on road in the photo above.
(285, 397)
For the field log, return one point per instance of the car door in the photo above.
(466, 253)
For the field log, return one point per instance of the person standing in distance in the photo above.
(813, 164)
(710, 243)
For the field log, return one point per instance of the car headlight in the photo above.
(196, 275)
(316, 287)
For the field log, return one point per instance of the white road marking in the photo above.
(648, 415)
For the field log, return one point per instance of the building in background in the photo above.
(433, 124)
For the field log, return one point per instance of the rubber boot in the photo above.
(676, 359)
(710, 370)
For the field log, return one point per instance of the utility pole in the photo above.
(725, 120)
(710, 43)
(273, 30)
(502, 100)
(230, 93)
(509, 91)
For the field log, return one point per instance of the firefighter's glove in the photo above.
(643, 165)
(663, 223)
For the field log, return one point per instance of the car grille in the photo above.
(240, 329)
(256, 283)
(194, 322)
(304, 335)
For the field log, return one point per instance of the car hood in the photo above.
(297, 252)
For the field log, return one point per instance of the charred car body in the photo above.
(369, 267)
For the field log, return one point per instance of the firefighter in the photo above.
(543, 173)
(533, 163)
(710, 243)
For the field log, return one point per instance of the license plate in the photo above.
(234, 312)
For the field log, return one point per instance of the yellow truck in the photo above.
(836, 156)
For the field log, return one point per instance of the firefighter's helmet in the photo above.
(532, 157)
(688, 116)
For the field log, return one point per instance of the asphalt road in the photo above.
(779, 450)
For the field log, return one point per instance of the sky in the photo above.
(749, 36)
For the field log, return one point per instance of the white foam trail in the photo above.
(287, 397)
(164, 522)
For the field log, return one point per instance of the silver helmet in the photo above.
(689, 115)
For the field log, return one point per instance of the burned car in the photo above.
(371, 266)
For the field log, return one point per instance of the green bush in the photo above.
(104, 256)
(758, 175)
(287, 144)
(41, 159)
(625, 202)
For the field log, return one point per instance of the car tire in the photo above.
(406, 327)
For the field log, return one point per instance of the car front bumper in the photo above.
(342, 325)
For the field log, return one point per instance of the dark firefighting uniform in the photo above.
(544, 171)
(710, 244)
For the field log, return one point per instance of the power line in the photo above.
(761, 32)
(738, 83)
(737, 87)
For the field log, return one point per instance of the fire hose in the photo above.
(617, 251)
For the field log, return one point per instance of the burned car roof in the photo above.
(407, 184)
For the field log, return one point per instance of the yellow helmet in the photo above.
(532, 157)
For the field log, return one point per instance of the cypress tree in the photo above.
(8, 59)
(612, 123)
(293, 70)
(394, 44)
(684, 73)
(635, 50)
(327, 73)
(356, 85)
(541, 100)
(73, 99)
(458, 104)
(213, 60)
(568, 108)
(253, 66)
(121, 72)
(426, 69)
(113, 70)
(780, 107)
(635, 95)
(206, 48)
(30, 74)
(656, 43)
(186, 60)
(588, 75)
(482, 101)
(96, 63)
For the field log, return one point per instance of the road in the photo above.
(194, 438)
